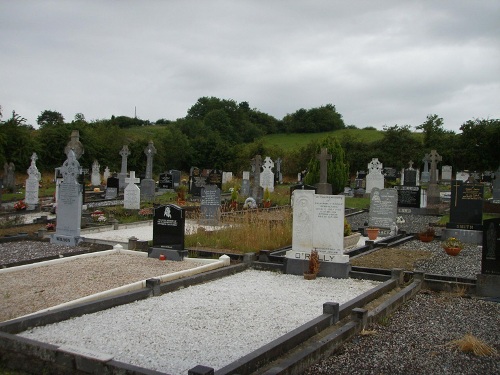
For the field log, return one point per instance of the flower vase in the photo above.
(453, 251)
(372, 233)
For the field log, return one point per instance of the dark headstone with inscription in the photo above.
(112, 187)
(491, 247)
(210, 205)
(176, 177)
(408, 196)
(168, 227)
(215, 178)
(466, 206)
(165, 181)
(410, 177)
(390, 174)
(196, 181)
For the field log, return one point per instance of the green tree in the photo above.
(48, 117)
(478, 147)
(398, 147)
(337, 168)
(315, 120)
(18, 141)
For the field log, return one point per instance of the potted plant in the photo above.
(19, 206)
(267, 198)
(372, 233)
(452, 246)
(350, 239)
(313, 269)
(427, 235)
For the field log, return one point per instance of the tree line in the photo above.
(224, 134)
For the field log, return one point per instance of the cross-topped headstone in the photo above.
(33, 170)
(323, 158)
(32, 184)
(410, 163)
(256, 188)
(132, 179)
(150, 151)
(434, 158)
(267, 175)
(132, 193)
(75, 145)
(124, 152)
(71, 168)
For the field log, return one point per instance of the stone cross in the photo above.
(75, 145)
(434, 158)
(132, 179)
(426, 161)
(124, 153)
(278, 165)
(323, 158)
(33, 170)
(71, 168)
(256, 166)
(150, 151)
(410, 163)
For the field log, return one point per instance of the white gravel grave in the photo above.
(212, 324)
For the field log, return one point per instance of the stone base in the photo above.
(170, 254)
(464, 235)
(419, 211)
(326, 269)
(488, 285)
(60, 239)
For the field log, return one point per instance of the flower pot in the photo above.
(309, 276)
(425, 238)
(267, 204)
(372, 233)
(453, 251)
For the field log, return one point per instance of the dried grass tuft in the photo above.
(368, 332)
(471, 344)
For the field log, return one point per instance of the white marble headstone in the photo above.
(374, 178)
(267, 175)
(132, 193)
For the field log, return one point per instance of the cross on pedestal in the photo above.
(410, 163)
(132, 179)
(323, 158)
(434, 158)
(124, 152)
(150, 150)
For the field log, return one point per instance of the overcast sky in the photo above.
(379, 62)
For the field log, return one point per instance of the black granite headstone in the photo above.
(410, 176)
(491, 247)
(408, 196)
(112, 186)
(168, 227)
(196, 181)
(466, 206)
(390, 174)
(176, 177)
(215, 178)
(165, 181)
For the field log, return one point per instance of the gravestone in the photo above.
(176, 177)
(9, 178)
(462, 176)
(32, 185)
(124, 152)
(488, 281)
(433, 191)
(466, 206)
(390, 174)
(318, 224)
(227, 177)
(374, 178)
(278, 176)
(95, 178)
(487, 177)
(132, 193)
(196, 181)
(360, 175)
(75, 145)
(426, 175)
(410, 175)
(300, 187)
(245, 184)
(256, 189)
(106, 174)
(215, 178)
(168, 232)
(165, 181)
(112, 187)
(496, 187)
(409, 196)
(267, 175)
(69, 204)
(383, 209)
(323, 187)
(148, 185)
(446, 173)
(210, 205)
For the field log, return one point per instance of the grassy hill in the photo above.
(294, 140)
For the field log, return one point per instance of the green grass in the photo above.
(360, 203)
(446, 218)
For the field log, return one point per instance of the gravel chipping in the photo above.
(417, 340)
(412, 223)
(212, 324)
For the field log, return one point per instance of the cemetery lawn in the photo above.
(390, 258)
